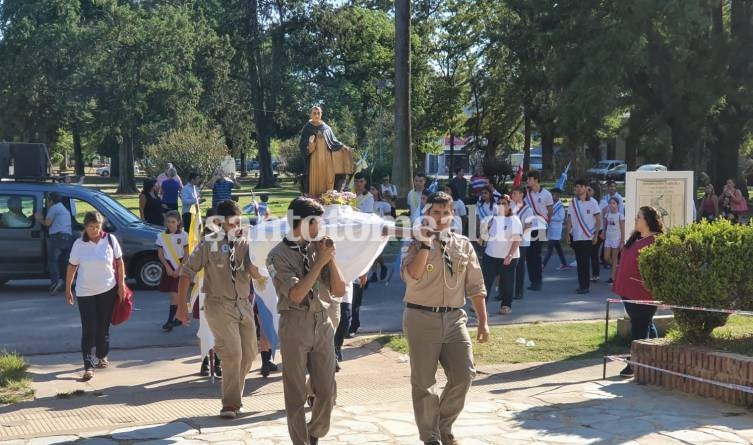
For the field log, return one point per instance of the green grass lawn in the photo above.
(577, 340)
(736, 336)
(554, 342)
(15, 384)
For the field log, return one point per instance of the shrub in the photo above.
(189, 149)
(704, 264)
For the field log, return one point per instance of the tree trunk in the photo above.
(526, 143)
(261, 115)
(547, 148)
(126, 183)
(685, 142)
(78, 152)
(402, 162)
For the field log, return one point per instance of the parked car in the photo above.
(251, 164)
(600, 170)
(617, 173)
(23, 252)
(103, 171)
(652, 168)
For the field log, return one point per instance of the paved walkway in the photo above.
(153, 396)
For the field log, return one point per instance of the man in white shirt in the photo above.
(524, 212)
(584, 219)
(541, 203)
(387, 187)
(364, 199)
(414, 197)
(190, 196)
(611, 193)
(59, 241)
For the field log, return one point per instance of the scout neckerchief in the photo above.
(446, 254)
(588, 231)
(303, 250)
(169, 249)
(529, 198)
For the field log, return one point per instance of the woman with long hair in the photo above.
(150, 205)
(628, 283)
(709, 204)
(96, 262)
(485, 208)
(501, 255)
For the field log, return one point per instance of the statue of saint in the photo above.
(328, 161)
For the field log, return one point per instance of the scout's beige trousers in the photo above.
(307, 343)
(438, 338)
(232, 324)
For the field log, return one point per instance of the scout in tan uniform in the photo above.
(306, 279)
(227, 281)
(439, 271)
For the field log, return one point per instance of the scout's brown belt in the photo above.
(440, 310)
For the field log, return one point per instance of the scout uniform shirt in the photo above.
(285, 263)
(437, 287)
(219, 279)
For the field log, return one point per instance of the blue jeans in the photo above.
(491, 268)
(58, 251)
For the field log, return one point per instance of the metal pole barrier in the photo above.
(606, 341)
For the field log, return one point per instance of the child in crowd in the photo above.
(262, 209)
(171, 250)
(614, 228)
(554, 230)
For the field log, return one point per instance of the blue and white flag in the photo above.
(563, 178)
(434, 187)
(266, 304)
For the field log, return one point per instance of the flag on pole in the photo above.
(518, 177)
(563, 177)
(206, 339)
(434, 187)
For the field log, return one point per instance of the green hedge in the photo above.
(704, 264)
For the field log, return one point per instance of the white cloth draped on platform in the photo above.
(358, 238)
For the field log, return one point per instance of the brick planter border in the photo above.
(698, 362)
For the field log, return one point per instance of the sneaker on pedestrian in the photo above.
(595, 279)
(504, 310)
(610, 281)
(627, 371)
(228, 412)
(563, 267)
(103, 363)
(167, 327)
(273, 367)
(351, 335)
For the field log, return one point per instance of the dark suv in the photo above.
(23, 250)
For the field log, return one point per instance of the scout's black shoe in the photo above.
(627, 371)
(167, 327)
(204, 372)
(217, 368)
(273, 367)
(265, 369)
(313, 440)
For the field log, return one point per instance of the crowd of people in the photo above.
(442, 269)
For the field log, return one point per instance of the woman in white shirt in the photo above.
(460, 215)
(96, 262)
(502, 252)
(381, 207)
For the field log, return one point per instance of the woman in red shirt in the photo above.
(628, 283)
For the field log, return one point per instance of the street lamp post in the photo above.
(380, 85)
